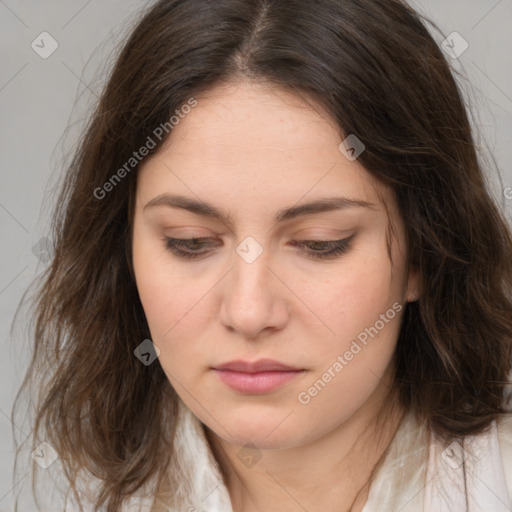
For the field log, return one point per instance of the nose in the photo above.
(254, 299)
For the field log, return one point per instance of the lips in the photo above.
(262, 365)
(259, 377)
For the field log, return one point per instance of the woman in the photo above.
(279, 282)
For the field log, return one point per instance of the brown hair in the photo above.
(376, 70)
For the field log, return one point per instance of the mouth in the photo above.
(259, 377)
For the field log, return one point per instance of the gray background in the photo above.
(44, 102)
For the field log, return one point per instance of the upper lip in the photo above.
(262, 365)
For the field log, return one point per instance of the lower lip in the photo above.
(256, 383)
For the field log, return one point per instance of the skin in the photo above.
(250, 150)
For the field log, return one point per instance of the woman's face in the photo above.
(258, 284)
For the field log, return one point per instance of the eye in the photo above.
(325, 249)
(191, 245)
(189, 248)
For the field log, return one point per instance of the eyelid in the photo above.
(336, 248)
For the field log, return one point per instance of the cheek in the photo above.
(176, 309)
(353, 297)
(362, 308)
(163, 295)
(152, 289)
(354, 362)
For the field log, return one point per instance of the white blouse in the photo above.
(475, 476)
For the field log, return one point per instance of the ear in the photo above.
(413, 291)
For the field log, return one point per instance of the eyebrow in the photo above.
(207, 210)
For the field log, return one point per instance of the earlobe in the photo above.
(413, 286)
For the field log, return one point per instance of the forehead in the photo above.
(248, 119)
(247, 144)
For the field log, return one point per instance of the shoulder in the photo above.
(504, 432)
(88, 488)
(474, 473)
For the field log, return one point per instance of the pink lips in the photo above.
(258, 377)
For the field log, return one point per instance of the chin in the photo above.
(263, 429)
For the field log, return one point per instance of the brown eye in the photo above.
(186, 248)
(190, 248)
(325, 249)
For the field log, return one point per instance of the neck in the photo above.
(332, 473)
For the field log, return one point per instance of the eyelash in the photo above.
(338, 247)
